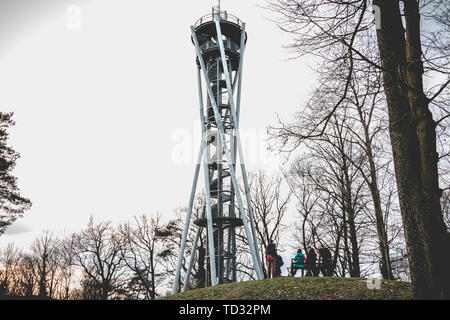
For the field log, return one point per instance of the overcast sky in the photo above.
(106, 104)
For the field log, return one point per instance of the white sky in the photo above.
(102, 112)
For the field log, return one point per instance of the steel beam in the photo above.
(191, 260)
(238, 138)
(210, 232)
(188, 219)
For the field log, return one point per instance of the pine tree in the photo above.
(12, 204)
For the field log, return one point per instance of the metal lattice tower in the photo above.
(219, 39)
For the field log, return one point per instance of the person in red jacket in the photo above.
(271, 254)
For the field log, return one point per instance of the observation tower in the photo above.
(219, 39)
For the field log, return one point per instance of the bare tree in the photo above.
(173, 243)
(27, 282)
(65, 251)
(144, 252)
(9, 258)
(98, 250)
(44, 253)
(328, 168)
(366, 107)
(269, 205)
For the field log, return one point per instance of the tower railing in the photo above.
(214, 45)
(223, 15)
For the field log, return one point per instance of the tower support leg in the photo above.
(188, 220)
(191, 260)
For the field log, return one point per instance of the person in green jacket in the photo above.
(298, 262)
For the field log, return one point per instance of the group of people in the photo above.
(310, 262)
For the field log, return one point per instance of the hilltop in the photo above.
(304, 288)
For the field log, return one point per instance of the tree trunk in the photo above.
(336, 253)
(153, 277)
(413, 139)
(347, 256)
(105, 289)
(386, 270)
(43, 278)
(355, 270)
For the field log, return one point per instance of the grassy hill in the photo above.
(305, 288)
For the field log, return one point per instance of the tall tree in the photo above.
(44, 252)
(144, 252)
(65, 249)
(365, 105)
(12, 204)
(413, 137)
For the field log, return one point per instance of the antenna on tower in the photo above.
(216, 9)
(218, 6)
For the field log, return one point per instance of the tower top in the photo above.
(224, 16)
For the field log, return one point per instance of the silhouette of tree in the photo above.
(44, 254)
(12, 204)
(98, 250)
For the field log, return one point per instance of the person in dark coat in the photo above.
(201, 267)
(271, 254)
(311, 263)
(278, 263)
(325, 261)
